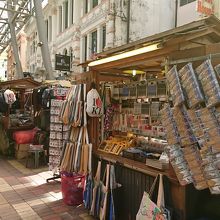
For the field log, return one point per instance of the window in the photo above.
(60, 18)
(72, 10)
(94, 42)
(66, 14)
(19, 51)
(50, 28)
(71, 54)
(86, 5)
(94, 3)
(184, 2)
(103, 37)
(65, 52)
(47, 29)
(85, 48)
(71, 57)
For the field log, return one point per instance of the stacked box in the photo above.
(169, 124)
(175, 86)
(211, 168)
(209, 82)
(190, 86)
(179, 164)
(184, 127)
(194, 161)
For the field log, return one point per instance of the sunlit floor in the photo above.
(24, 194)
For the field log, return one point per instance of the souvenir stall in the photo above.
(17, 113)
(48, 100)
(158, 129)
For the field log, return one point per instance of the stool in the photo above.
(36, 150)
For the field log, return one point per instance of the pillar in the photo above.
(19, 72)
(43, 38)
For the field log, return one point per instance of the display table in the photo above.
(137, 177)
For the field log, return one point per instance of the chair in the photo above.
(35, 150)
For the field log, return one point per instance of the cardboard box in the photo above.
(22, 147)
(21, 154)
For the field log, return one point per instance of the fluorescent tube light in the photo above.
(125, 55)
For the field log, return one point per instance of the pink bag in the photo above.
(24, 137)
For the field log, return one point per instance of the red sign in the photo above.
(205, 7)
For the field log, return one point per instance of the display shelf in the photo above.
(151, 168)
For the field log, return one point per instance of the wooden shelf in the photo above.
(151, 168)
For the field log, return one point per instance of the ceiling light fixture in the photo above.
(125, 55)
(134, 72)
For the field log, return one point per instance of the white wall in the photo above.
(149, 17)
(187, 13)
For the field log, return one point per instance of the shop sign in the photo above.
(60, 91)
(62, 62)
(205, 7)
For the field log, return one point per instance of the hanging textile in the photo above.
(77, 153)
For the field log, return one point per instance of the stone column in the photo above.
(78, 4)
(54, 24)
(81, 49)
(110, 31)
(77, 39)
(110, 24)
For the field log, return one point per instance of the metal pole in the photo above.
(19, 72)
(41, 27)
(128, 20)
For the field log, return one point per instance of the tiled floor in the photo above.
(24, 194)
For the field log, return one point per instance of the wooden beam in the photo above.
(140, 58)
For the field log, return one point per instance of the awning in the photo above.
(26, 83)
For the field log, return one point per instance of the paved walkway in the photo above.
(24, 194)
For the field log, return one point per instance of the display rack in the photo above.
(58, 132)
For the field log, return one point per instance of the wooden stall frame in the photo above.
(193, 42)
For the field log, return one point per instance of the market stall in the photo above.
(147, 114)
(17, 115)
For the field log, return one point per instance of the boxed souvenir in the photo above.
(207, 76)
(198, 178)
(200, 185)
(215, 189)
(190, 85)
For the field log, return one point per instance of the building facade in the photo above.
(83, 28)
(3, 66)
(22, 47)
(192, 10)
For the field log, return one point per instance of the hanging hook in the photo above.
(210, 57)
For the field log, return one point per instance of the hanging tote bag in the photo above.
(78, 151)
(9, 96)
(165, 213)
(148, 209)
(94, 104)
(96, 190)
(85, 154)
(114, 192)
(104, 193)
(88, 191)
